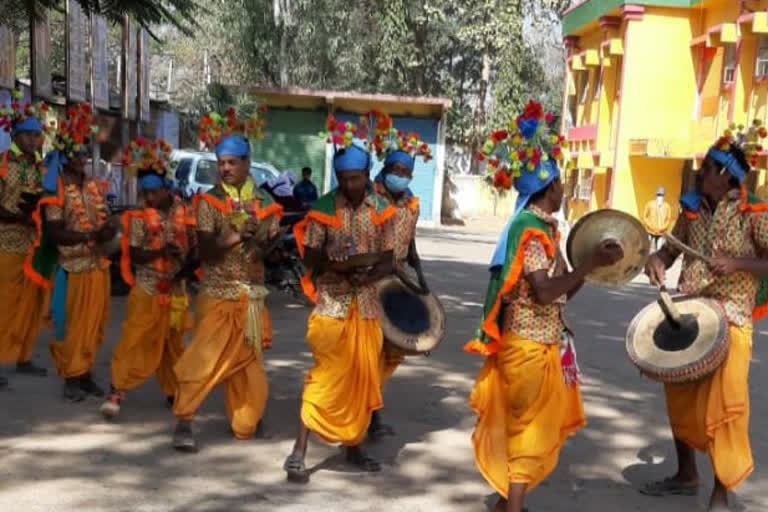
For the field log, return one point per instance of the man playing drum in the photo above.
(235, 221)
(399, 153)
(731, 228)
(21, 299)
(75, 215)
(343, 387)
(527, 395)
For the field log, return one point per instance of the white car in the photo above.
(198, 172)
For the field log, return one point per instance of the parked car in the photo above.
(199, 171)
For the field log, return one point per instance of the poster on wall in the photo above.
(129, 71)
(42, 86)
(144, 113)
(75, 52)
(100, 88)
(7, 58)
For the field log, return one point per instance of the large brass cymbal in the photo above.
(596, 227)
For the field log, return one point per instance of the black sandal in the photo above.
(363, 461)
(295, 469)
(669, 487)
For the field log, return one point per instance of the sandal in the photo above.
(363, 461)
(669, 487)
(379, 431)
(295, 469)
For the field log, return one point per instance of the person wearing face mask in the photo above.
(393, 183)
(21, 300)
(156, 241)
(657, 217)
(75, 215)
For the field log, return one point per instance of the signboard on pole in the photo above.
(129, 71)
(7, 58)
(99, 62)
(75, 52)
(144, 113)
(42, 86)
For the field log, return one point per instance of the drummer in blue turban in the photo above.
(343, 388)
(235, 221)
(530, 359)
(21, 300)
(398, 152)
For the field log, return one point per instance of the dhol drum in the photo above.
(410, 320)
(619, 227)
(112, 246)
(680, 339)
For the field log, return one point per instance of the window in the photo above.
(182, 170)
(761, 67)
(585, 185)
(207, 172)
(729, 64)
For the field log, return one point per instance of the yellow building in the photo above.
(650, 85)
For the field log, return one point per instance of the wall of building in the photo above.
(475, 198)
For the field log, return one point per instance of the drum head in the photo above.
(678, 353)
(414, 323)
(607, 224)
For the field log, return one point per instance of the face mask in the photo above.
(396, 184)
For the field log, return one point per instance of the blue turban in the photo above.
(691, 201)
(528, 184)
(234, 145)
(152, 181)
(353, 158)
(399, 157)
(729, 162)
(28, 124)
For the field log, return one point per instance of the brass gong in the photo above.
(596, 227)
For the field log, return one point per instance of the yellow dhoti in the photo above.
(391, 358)
(148, 344)
(218, 353)
(87, 313)
(343, 388)
(712, 414)
(21, 309)
(525, 413)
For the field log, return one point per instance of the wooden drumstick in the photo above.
(690, 251)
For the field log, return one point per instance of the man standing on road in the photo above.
(156, 241)
(657, 217)
(392, 183)
(235, 220)
(21, 300)
(721, 221)
(527, 394)
(75, 219)
(343, 387)
(305, 191)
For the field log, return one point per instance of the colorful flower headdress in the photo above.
(17, 112)
(214, 126)
(386, 138)
(73, 132)
(530, 144)
(342, 133)
(147, 155)
(748, 140)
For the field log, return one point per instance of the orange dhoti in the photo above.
(21, 309)
(343, 388)
(712, 414)
(149, 344)
(391, 357)
(525, 413)
(87, 314)
(218, 353)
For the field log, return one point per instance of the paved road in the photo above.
(60, 457)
